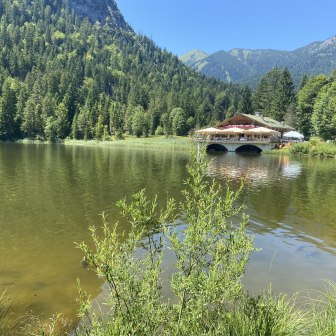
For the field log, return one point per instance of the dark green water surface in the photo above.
(50, 194)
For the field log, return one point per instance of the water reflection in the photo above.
(252, 169)
(293, 216)
(52, 193)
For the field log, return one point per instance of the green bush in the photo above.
(159, 130)
(315, 141)
(211, 255)
(314, 148)
(300, 148)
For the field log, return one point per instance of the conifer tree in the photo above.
(283, 95)
(245, 102)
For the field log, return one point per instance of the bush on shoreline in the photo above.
(315, 148)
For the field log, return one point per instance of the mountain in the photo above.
(103, 11)
(193, 56)
(75, 68)
(248, 66)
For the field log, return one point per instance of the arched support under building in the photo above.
(235, 146)
(249, 149)
(216, 148)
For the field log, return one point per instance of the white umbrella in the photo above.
(208, 130)
(293, 134)
(261, 130)
(232, 130)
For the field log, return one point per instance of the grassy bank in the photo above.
(175, 143)
(264, 315)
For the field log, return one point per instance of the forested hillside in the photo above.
(78, 70)
(63, 74)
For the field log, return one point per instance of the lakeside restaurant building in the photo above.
(243, 132)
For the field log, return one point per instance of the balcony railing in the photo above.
(238, 141)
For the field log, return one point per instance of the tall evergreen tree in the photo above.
(266, 91)
(283, 95)
(245, 102)
(8, 110)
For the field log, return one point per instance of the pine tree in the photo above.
(8, 110)
(283, 96)
(265, 92)
(245, 102)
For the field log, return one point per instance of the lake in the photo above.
(51, 194)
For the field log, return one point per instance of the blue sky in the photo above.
(212, 25)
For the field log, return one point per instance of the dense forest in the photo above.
(64, 76)
(311, 108)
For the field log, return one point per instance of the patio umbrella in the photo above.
(208, 130)
(261, 130)
(293, 134)
(232, 130)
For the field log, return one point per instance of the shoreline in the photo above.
(173, 143)
(307, 149)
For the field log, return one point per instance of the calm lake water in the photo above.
(51, 194)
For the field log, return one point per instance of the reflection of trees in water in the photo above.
(235, 167)
(282, 192)
(314, 199)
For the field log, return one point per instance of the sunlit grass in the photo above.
(174, 142)
(323, 312)
(266, 315)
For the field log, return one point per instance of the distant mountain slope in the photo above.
(193, 56)
(247, 66)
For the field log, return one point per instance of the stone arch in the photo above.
(249, 149)
(216, 148)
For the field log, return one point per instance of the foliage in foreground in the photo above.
(323, 319)
(28, 325)
(5, 305)
(211, 254)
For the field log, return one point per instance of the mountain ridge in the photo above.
(247, 66)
